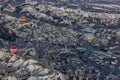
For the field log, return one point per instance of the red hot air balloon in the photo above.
(13, 49)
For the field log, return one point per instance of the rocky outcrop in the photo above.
(16, 67)
(6, 34)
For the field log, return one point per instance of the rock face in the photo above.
(6, 34)
(26, 68)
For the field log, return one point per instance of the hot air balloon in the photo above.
(13, 8)
(118, 34)
(65, 7)
(89, 37)
(13, 49)
(23, 19)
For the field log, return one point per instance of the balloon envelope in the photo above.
(65, 7)
(13, 49)
(118, 34)
(23, 19)
(13, 8)
(89, 37)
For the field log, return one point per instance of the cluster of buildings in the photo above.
(57, 36)
(67, 16)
